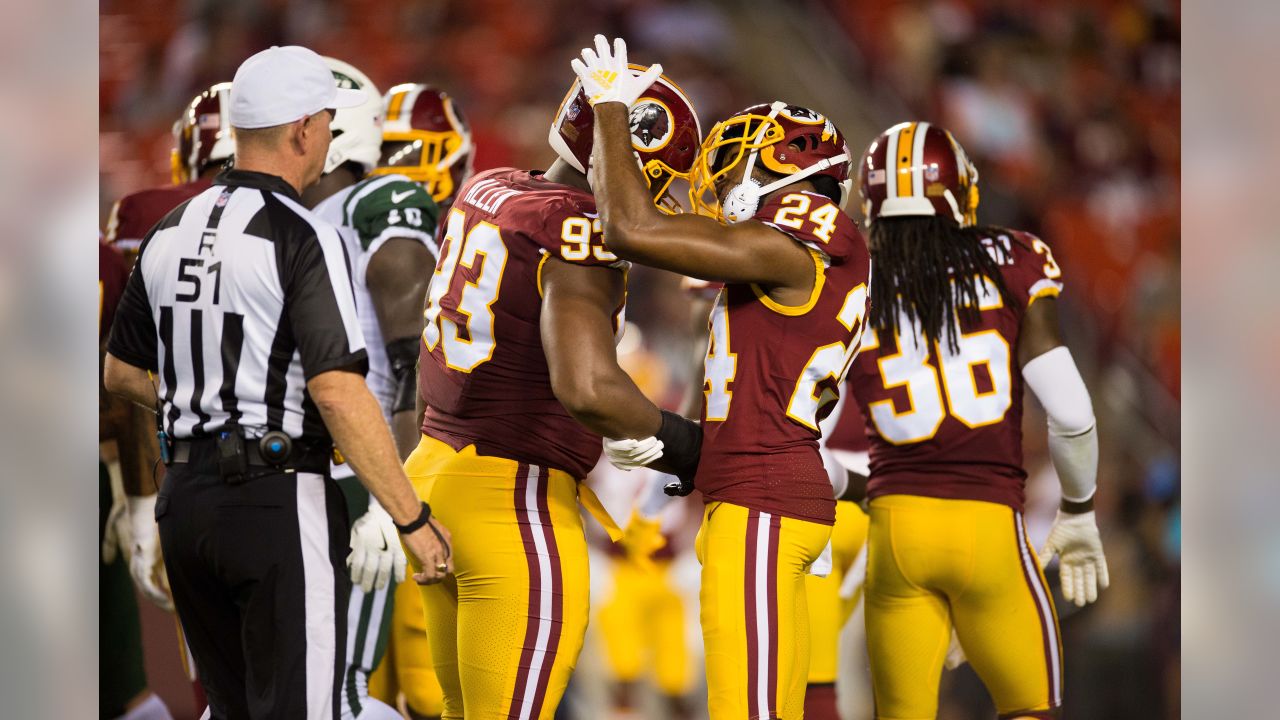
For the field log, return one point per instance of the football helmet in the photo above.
(357, 131)
(792, 141)
(202, 135)
(664, 133)
(427, 139)
(916, 168)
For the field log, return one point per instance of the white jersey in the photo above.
(367, 214)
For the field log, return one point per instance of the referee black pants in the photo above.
(258, 576)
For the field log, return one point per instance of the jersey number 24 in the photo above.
(830, 361)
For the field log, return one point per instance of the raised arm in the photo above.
(687, 244)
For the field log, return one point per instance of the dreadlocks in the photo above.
(914, 263)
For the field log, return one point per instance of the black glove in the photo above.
(681, 449)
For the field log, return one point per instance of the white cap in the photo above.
(283, 84)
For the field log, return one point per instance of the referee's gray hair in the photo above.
(260, 137)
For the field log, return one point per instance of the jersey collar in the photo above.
(253, 179)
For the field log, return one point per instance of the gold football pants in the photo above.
(755, 620)
(506, 628)
(934, 564)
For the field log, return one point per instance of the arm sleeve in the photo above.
(1073, 434)
(320, 304)
(133, 331)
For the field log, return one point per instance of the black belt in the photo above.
(202, 451)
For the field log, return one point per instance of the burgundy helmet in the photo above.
(426, 138)
(792, 141)
(202, 135)
(914, 169)
(664, 132)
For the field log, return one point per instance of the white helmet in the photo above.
(357, 131)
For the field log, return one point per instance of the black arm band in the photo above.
(403, 355)
(421, 520)
(681, 444)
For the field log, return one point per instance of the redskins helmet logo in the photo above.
(802, 115)
(650, 125)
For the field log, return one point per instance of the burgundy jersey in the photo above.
(773, 372)
(482, 371)
(850, 432)
(949, 425)
(113, 274)
(134, 215)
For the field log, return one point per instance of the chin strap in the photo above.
(749, 192)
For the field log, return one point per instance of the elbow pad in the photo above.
(403, 356)
(1073, 433)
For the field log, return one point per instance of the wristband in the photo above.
(417, 523)
(1076, 508)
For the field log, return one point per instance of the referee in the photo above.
(241, 305)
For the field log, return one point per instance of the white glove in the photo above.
(955, 654)
(631, 454)
(116, 539)
(145, 563)
(376, 555)
(1083, 568)
(607, 78)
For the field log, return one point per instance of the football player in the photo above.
(202, 143)
(783, 331)
(122, 680)
(520, 379)
(387, 223)
(425, 137)
(963, 315)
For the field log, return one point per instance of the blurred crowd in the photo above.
(1069, 108)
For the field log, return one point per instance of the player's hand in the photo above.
(607, 78)
(627, 454)
(376, 557)
(431, 545)
(117, 538)
(955, 654)
(641, 538)
(145, 563)
(1083, 568)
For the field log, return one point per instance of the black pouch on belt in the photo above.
(233, 459)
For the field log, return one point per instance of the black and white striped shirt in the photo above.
(239, 296)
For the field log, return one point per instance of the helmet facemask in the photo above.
(427, 157)
(753, 136)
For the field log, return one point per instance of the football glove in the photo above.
(116, 538)
(145, 564)
(641, 538)
(376, 556)
(629, 454)
(1082, 569)
(607, 78)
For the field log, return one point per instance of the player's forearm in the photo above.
(1073, 433)
(609, 404)
(354, 419)
(622, 196)
(405, 431)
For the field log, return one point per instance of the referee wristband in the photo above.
(417, 523)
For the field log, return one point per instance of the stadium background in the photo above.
(1069, 109)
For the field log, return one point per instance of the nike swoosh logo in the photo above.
(398, 196)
